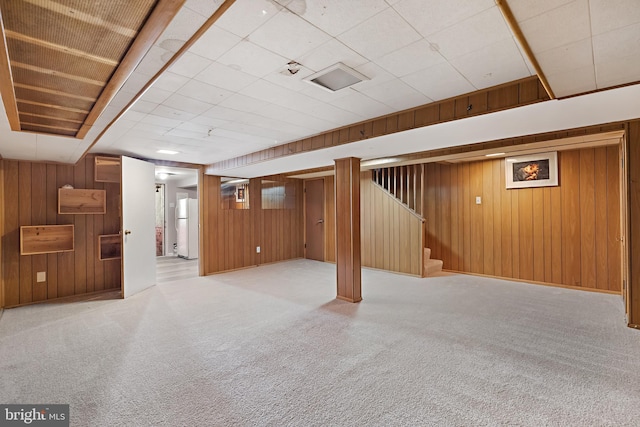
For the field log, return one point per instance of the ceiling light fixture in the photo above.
(167, 152)
(336, 77)
(494, 154)
(293, 66)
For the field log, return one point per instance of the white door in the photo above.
(138, 224)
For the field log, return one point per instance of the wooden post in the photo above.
(348, 259)
(633, 243)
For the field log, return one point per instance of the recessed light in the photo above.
(163, 176)
(494, 154)
(167, 152)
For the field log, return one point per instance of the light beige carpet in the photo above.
(270, 346)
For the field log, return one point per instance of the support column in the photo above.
(348, 261)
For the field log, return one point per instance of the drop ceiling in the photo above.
(231, 93)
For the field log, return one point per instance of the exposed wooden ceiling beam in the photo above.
(517, 32)
(84, 17)
(159, 19)
(49, 127)
(59, 48)
(54, 92)
(57, 73)
(6, 82)
(44, 116)
(203, 29)
(57, 107)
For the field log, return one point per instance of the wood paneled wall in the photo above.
(392, 235)
(329, 219)
(31, 198)
(633, 244)
(566, 235)
(230, 236)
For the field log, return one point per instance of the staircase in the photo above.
(406, 184)
(431, 266)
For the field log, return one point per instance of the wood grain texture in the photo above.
(633, 167)
(230, 236)
(34, 188)
(565, 235)
(348, 243)
(404, 228)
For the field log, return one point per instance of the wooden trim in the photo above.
(209, 22)
(57, 73)
(55, 107)
(54, 92)
(44, 116)
(525, 91)
(91, 296)
(534, 282)
(60, 48)
(2, 202)
(6, 82)
(40, 125)
(160, 18)
(517, 32)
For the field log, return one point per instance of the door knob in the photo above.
(126, 232)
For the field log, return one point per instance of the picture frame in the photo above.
(240, 193)
(532, 170)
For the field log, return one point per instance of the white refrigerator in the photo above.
(187, 228)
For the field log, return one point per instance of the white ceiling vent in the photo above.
(336, 77)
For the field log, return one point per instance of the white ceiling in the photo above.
(231, 93)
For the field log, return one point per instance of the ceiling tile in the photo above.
(279, 95)
(411, 58)
(558, 27)
(161, 122)
(483, 29)
(299, 38)
(616, 44)
(170, 81)
(574, 81)
(186, 104)
(376, 74)
(245, 16)
(172, 113)
(225, 77)
(144, 106)
(527, 9)
(222, 113)
(204, 7)
(621, 71)
(431, 16)
(380, 35)
(362, 105)
(214, 43)
(241, 102)
(182, 27)
(331, 114)
(439, 82)
(393, 92)
(337, 16)
(133, 116)
(252, 59)
(574, 55)
(329, 54)
(492, 65)
(290, 81)
(153, 61)
(205, 121)
(204, 92)
(156, 95)
(607, 15)
(189, 65)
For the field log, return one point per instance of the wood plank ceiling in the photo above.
(62, 55)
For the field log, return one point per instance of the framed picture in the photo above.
(532, 170)
(240, 193)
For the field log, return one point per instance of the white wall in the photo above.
(171, 189)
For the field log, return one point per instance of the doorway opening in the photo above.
(177, 223)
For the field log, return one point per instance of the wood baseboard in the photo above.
(535, 282)
(106, 294)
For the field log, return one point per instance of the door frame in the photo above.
(304, 234)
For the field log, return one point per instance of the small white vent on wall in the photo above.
(336, 77)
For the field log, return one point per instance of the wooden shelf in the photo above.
(107, 169)
(109, 246)
(44, 239)
(77, 201)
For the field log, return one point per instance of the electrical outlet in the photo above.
(257, 249)
(41, 276)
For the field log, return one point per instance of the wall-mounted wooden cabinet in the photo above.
(43, 239)
(109, 246)
(81, 201)
(107, 169)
